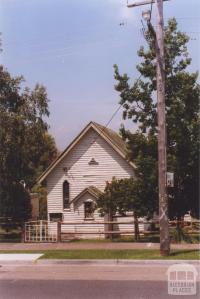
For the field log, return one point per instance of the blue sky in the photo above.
(70, 47)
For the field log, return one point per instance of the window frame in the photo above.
(92, 210)
(66, 195)
(55, 217)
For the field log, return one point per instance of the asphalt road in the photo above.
(75, 289)
(84, 282)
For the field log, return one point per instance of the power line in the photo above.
(101, 131)
(151, 9)
(113, 115)
(74, 49)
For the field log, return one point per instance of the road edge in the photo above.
(112, 262)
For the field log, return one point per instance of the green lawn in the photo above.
(118, 254)
(113, 254)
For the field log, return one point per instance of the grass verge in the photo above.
(146, 254)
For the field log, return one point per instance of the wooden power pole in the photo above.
(162, 158)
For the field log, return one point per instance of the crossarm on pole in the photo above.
(142, 3)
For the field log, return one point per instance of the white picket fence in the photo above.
(39, 231)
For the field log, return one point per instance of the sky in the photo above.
(70, 47)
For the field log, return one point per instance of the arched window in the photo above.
(65, 195)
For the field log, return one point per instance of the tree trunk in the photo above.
(136, 227)
(179, 229)
(109, 227)
(182, 222)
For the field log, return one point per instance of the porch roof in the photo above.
(94, 191)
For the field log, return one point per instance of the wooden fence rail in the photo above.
(76, 230)
(130, 222)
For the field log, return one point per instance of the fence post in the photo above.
(41, 230)
(23, 234)
(58, 231)
(109, 226)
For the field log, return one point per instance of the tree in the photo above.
(124, 195)
(143, 151)
(26, 147)
(182, 116)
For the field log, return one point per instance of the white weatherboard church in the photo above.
(77, 177)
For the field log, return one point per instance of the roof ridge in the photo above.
(113, 136)
(105, 127)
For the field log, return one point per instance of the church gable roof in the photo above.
(111, 137)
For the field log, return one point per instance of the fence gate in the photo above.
(39, 231)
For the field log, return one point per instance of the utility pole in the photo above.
(162, 158)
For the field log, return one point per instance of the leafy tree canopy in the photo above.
(182, 98)
(26, 147)
(126, 195)
(121, 196)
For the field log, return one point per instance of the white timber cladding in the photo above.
(81, 175)
(77, 214)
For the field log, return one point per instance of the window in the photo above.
(89, 210)
(66, 204)
(55, 217)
